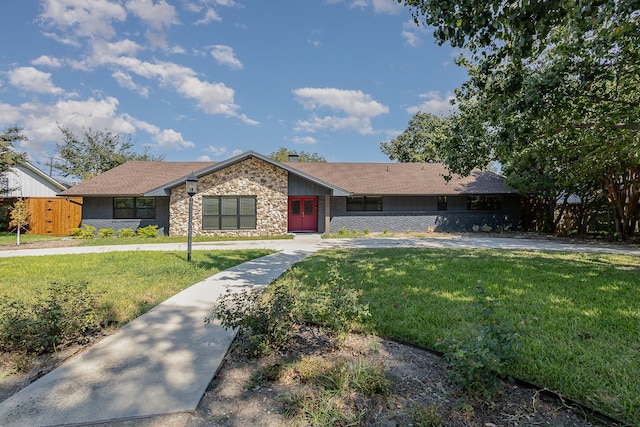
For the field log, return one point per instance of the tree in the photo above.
(19, 214)
(420, 141)
(559, 79)
(8, 156)
(282, 155)
(95, 152)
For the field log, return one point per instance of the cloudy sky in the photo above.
(207, 79)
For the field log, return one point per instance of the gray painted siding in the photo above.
(299, 186)
(419, 213)
(98, 212)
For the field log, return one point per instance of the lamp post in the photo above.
(192, 188)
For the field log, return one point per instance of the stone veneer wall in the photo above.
(251, 177)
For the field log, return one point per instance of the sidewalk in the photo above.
(160, 363)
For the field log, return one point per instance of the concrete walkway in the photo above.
(162, 362)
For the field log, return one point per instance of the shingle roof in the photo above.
(137, 178)
(134, 178)
(402, 179)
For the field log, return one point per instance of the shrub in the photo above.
(342, 231)
(475, 228)
(126, 233)
(149, 231)
(266, 317)
(366, 230)
(430, 229)
(486, 228)
(479, 362)
(106, 232)
(332, 304)
(68, 313)
(385, 231)
(86, 232)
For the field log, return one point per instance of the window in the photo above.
(229, 213)
(364, 203)
(484, 203)
(4, 184)
(134, 207)
(442, 203)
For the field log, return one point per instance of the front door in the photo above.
(303, 213)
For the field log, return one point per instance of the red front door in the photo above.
(303, 215)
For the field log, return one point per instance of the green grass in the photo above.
(578, 314)
(132, 282)
(174, 239)
(7, 238)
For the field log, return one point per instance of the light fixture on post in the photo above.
(192, 189)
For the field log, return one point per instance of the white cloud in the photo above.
(47, 61)
(40, 122)
(413, 33)
(216, 151)
(411, 38)
(203, 158)
(306, 140)
(209, 16)
(170, 139)
(158, 15)
(387, 6)
(379, 6)
(33, 80)
(126, 81)
(358, 107)
(83, 18)
(435, 103)
(224, 55)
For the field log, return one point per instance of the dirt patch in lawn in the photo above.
(245, 391)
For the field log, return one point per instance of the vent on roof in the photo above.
(293, 158)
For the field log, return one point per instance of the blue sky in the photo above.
(207, 79)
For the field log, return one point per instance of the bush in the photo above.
(149, 231)
(333, 305)
(266, 317)
(126, 233)
(105, 233)
(479, 362)
(68, 313)
(86, 232)
(366, 230)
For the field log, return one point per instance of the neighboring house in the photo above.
(49, 213)
(250, 194)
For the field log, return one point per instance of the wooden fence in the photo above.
(55, 216)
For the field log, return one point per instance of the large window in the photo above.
(229, 213)
(484, 203)
(134, 207)
(442, 203)
(364, 203)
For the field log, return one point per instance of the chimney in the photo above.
(293, 158)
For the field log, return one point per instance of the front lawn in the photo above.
(131, 282)
(578, 314)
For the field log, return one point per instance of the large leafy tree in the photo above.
(94, 152)
(557, 80)
(420, 141)
(282, 155)
(9, 157)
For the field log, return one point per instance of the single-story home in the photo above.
(251, 194)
